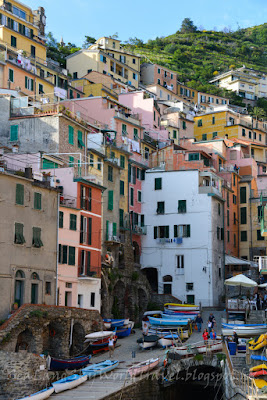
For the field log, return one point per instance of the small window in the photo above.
(219, 209)
(204, 136)
(99, 164)
(36, 237)
(139, 196)
(61, 219)
(133, 60)
(243, 215)
(181, 206)
(260, 137)
(122, 161)
(243, 194)
(75, 75)
(180, 261)
(110, 200)
(14, 133)
(80, 140)
(110, 173)
(158, 81)
(19, 194)
(160, 207)
(13, 41)
(134, 76)
(91, 160)
(158, 70)
(214, 134)
(33, 51)
(259, 236)
(174, 134)
(243, 236)
(243, 132)
(71, 255)
(135, 134)
(213, 120)
(19, 238)
(255, 135)
(71, 135)
(48, 288)
(199, 122)
(11, 75)
(190, 286)
(122, 188)
(184, 125)
(249, 134)
(132, 197)
(73, 222)
(158, 183)
(37, 201)
(92, 300)
(41, 88)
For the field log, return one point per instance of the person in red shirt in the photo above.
(205, 335)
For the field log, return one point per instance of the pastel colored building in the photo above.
(107, 56)
(154, 73)
(200, 98)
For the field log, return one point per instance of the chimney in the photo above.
(28, 172)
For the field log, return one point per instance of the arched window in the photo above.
(20, 274)
(35, 276)
(167, 284)
(19, 288)
(167, 278)
(34, 288)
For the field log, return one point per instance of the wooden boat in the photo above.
(98, 335)
(143, 367)
(116, 322)
(41, 395)
(100, 368)
(181, 307)
(183, 312)
(169, 340)
(99, 345)
(244, 330)
(123, 332)
(148, 341)
(69, 382)
(56, 364)
(168, 322)
(200, 347)
(163, 331)
(177, 316)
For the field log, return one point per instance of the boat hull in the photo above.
(66, 384)
(99, 345)
(191, 349)
(181, 307)
(168, 322)
(144, 367)
(99, 369)
(244, 330)
(167, 341)
(41, 395)
(124, 332)
(56, 364)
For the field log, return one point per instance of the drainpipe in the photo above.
(224, 233)
(57, 248)
(250, 197)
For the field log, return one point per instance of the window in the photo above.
(227, 199)
(103, 59)
(180, 261)
(243, 236)
(233, 179)
(219, 209)
(255, 135)
(133, 60)
(182, 231)
(80, 140)
(174, 134)
(91, 160)
(260, 213)
(193, 157)
(199, 122)
(61, 219)
(243, 194)
(48, 288)
(228, 217)
(135, 134)
(189, 286)
(181, 206)
(62, 254)
(134, 76)
(73, 222)
(13, 41)
(122, 161)
(158, 70)
(71, 255)
(184, 125)
(249, 134)
(41, 88)
(259, 237)
(234, 218)
(214, 134)
(234, 199)
(92, 299)
(218, 233)
(139, 196)
(122, 188)
(33, 51)
(132, 197)
(75, 75)
(71, 161)
(99, 164)
(243, 132)
(14, 133)
(36, 237)
(19, 238)
(260, 137)
(243, 215)
(121, 218)
(228, 236)
(71, 135)
(160, 207)
(110, 200)
(37, 201)
(19, 194)
(110, 173)
(204, 136)
(28, 83)
(161, 232)
(213, 120)
(11, 75)
(158, 183)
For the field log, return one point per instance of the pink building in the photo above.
(154, 73)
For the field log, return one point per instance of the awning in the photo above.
(230, 260)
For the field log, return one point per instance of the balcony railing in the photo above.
(139, 230)
(26, 17)
(209, 190)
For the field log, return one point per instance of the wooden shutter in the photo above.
(60, 221)
(175, 231)
(88, 263)
(114, 229)
(64, 254)
(19, 194)
(167, 234)
(60, 254)
(89, 230)
(134, 175)
(107, 227)
(187, 230)
(14, 133)
(155, 232)
(37, 201)
(71, 255)
(71, 135)
(110, 200)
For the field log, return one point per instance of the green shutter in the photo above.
(122, 161)
(89, 230)
(135, 134)
(121, 218)
(71, 161)
(32, 85)
(26, 82)
(167, 232)
(184, 125)
(122, 188)
(19, 238)
(80, 140)
(88, 263)
(37, 201)
(14, 133)
(64, 254)
(243, 194)
(19, 194)
(132, 197)
(188, 231)
(110, 200)
(107, 227)
(114, 229)
(158, 183)
(73, 222)
(71, 135)
(243, 215)
(71, 255)
(36, 237)
(181, 206)
(61, 217)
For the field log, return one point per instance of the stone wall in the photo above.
(21, 374)
(41, 328)
(145, 389)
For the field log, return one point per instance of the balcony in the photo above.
(132, 118)
(139, 230)
(210, 184)
(112, 239)
(68, 201)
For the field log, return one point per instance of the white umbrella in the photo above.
(240, 280)
(263, 285)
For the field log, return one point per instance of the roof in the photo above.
(231, 260)
(88, 182)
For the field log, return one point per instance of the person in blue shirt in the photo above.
(213, 335)
(199, 322)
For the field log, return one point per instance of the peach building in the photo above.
(154, 73)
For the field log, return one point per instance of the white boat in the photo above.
(148, 341)
(169, 340)
(69, 382)
(91, 337)
(181, 307)
(41, 395)
(107, 325)
(144, 367)
(244, 330)
(200, 347)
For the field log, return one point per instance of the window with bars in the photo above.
(73, 222)
(37, 201)
(19, 194)
(19, 238)
(61, 219)
(36, 237)
(180, 231)
(181, 206)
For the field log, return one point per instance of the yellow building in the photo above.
(228, 123)
(200, 98)
(94, 89)
(108, 57)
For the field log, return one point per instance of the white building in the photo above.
(182, 253)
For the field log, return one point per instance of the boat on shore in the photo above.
(41, 395)
(148, 341)
(116, 322)
(123, 332)
(56, 364)
(163, 331)
(190, 314)
(168, 322)
(143, 367)
(98, 335)
(198, 348)
(69, 382)
(169, 340)
(244, 330)
(100, 368)
(177, 316)
(181, 307)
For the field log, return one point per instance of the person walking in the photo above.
(205, 336)
(235, 337)
(199, 322)
(111, 345)
(213, 335)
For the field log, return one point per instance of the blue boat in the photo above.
(179, 317)
(41, 395)
(123, 332)
(100, 368)
(167, 322)
(115, 322)
(69, 382)
(56, 364)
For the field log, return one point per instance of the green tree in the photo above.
(188, 26)
(88, 41)
(258, 113)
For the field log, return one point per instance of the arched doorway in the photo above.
(34, 288)
(152, 277)
(78, 335)
(118, 306)
(53, 337)
(136, 252)
(26, 341)
(167, 284)
(19, 287)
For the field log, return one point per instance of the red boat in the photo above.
(100, 345)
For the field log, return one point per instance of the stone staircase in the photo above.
(256, 317)
(239, 363)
